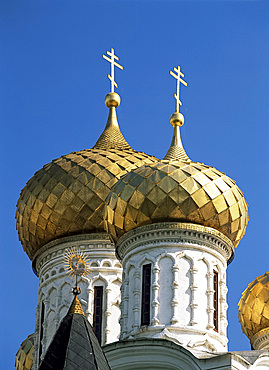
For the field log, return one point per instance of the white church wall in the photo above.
(201, 293)
(55, 287)
(114, 318)
(181, 296)
(184, 291)
(165, 282)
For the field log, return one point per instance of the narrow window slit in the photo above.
(97, 312)
(216, 300)
(146, 285)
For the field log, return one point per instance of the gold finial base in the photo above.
(112, 100)
(177, 119)
(76, 307)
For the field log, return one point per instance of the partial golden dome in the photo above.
(67, 196)
(177, 191)
(254, 308)
(24, 356)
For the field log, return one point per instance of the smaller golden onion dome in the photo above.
(67, 196)
(253, 309)
(24, 356)
(177, 189)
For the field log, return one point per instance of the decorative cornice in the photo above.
(260, 339)
(95, 238)
(175, 233)
(177, 330)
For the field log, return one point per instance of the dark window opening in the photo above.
(41, 330)
(97, 312)
(216, 300)
(146, 285)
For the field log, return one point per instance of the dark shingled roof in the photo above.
(74, 347)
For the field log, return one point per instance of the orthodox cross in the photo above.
(113, 64)
(178, 76)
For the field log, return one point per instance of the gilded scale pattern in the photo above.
(111, 137)
(254, 306)
(180, 191)
(67, 196)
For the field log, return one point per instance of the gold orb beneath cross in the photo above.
(177, 119)
(112, 100)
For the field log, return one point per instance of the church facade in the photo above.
(158, 235)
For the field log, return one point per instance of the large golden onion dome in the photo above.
(177, 189)
(67, 196)
(253, 310)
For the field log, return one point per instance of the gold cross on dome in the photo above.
(178, 76)
(113, 64)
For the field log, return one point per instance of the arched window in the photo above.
(216, 300)
(145, 301)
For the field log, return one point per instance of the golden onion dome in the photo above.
(253, 310)
(177, 189)
(67, 196)
(24, 356)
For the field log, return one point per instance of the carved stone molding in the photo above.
(174, 233)
(93, 238)
(54, 249)
(261, 339)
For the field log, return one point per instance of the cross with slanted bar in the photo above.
(178, 76)
(113, 63)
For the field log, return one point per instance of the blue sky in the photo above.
(53, 81)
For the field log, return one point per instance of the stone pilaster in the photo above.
(155, 295)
